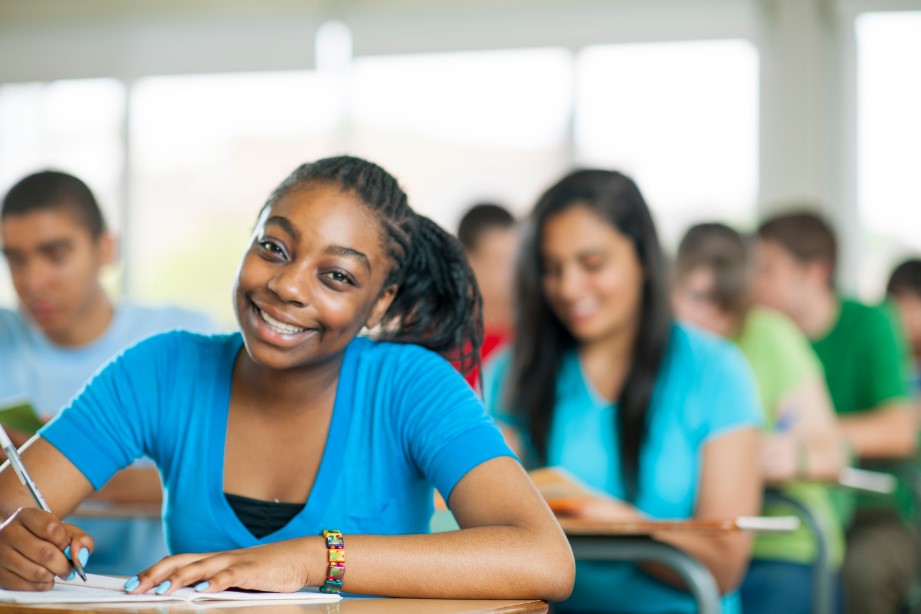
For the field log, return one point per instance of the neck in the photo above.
(607, 360)
(92, 324)
(817, 313)
(289, 391)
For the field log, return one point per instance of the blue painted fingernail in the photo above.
(202, 586)
(83, 556)
(132, 583)
(163, 587)
(67, 552)
(71, 576)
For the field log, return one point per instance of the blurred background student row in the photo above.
(756, 184)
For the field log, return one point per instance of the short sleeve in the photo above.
(109, 423)
(794, 359)
(729, 393)
(445, 427)
(886, 360)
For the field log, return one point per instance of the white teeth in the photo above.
(280, 327)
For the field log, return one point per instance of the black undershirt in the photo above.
(262, 517)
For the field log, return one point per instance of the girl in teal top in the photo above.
(801, 438)
(659, 419)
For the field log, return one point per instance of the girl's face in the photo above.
(312, 278)
(592, 277)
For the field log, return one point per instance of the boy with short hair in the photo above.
(864, 360)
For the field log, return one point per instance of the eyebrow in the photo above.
(47, 247)
(348, 252)
(286, 225)
(334, 250)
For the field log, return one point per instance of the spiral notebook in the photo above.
(106, 589)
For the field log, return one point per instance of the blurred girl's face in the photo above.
(692, 300)
(311, 278)
(591, 275)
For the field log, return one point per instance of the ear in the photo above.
(381, 305)
(108, 248)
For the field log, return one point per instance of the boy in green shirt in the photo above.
(865, 368)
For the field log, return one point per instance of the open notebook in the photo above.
(106, 589)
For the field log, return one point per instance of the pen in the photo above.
(13, 455)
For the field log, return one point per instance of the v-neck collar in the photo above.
(321, 494)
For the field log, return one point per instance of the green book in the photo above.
(17, 413)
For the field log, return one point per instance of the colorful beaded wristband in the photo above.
(335, 548)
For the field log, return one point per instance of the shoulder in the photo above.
(403, 363)
(867, 322)
(701, 364)
(181, 345)
(693, 350)
(765, 327)
(12, 325)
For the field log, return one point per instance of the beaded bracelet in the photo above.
(335, 548)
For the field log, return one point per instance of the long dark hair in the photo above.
(437, 304)
(541, 339)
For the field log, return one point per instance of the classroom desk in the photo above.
(348, 605)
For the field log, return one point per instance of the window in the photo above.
(681, 119)
(458, 127)
(206, 152)
(889, 142)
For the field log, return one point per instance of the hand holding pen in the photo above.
(22, 533)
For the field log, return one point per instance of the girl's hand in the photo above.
(35, 547)
(779, 457)
(600, 508)
(281, 567)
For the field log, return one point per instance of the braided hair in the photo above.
(437, 304)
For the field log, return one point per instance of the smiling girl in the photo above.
(297, 425)
(656, 418)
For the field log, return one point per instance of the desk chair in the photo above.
(823, 576)
(699, 580)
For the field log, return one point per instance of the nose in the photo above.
(291, 284)
(569, 283)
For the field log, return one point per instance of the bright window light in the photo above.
(889, 141)
(459, 127)
(681, 118)
(206, 152)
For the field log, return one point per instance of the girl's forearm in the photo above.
(485, 562)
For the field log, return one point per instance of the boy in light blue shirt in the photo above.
(55, 241)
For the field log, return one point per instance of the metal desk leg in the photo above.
(822, 576)
(611, 548)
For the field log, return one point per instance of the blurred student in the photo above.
(800, 440)
(659, 419)
(276, 440)
(489, 235)
(864, 361)
(904, 292)
(56, 244)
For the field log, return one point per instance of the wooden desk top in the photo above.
(348, 605)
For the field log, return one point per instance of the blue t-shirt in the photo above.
(403, 420)
(48, 375)
(704, 390)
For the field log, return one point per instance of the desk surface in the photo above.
(349, 605)
(584, 526)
